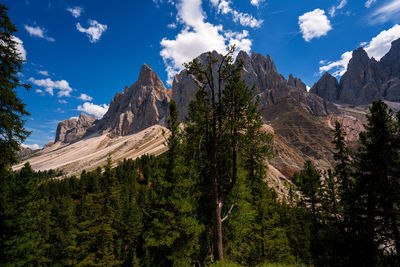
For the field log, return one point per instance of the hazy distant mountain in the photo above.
(365, 80)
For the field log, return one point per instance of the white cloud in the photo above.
(49, 86)
(380, 44)
(314, 24)
(256, 2)
(369, 3)
(19, 46)
(197, 37)
(377, 48)
(224, 7)
(339, 66)
(75, 11)
(92, 109)
(94, 32)
(43, 72)
(38, 32)
(85, 97)
(387, 12)
(333, 9)
(33, 147)
(62, 101)
(39, 91)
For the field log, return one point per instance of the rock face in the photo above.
(365, 80)
(140, 106)
(297, 82)
(73, 129)
(260, 72)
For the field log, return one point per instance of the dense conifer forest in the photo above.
(205, 201)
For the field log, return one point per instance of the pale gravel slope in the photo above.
(91, 152)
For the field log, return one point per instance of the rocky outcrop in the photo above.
(365, 80)
(260, 72)
(140, 106)
(297, 82)
(327, 87)
(74, 129)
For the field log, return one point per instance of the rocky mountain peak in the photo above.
(365, 79)
(148, 77)
(327, 86)
(143, 104)
(297, 82)
(73, 129)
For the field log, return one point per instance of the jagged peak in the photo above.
(149, 77)
(360, 54)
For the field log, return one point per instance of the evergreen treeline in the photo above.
(355, 206)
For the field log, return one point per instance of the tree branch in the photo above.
(229, 212)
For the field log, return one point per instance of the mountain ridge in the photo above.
(365, 79)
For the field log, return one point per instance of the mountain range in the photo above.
(365, 79)
(301, 121)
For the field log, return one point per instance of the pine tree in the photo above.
(218, 119)
(375, 189)
(24, 236)
(12, 131)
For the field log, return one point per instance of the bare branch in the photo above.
(229, 212)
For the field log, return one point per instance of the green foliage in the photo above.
(12, 131)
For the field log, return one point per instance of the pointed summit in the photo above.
(148, 77)
(142, 105)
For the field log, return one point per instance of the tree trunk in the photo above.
(217, 205)
(218, 246)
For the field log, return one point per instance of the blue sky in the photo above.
(79, 54)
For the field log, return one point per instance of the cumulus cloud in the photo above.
(94, 31)
(19, 46)
(76, 12)
(85, 97)
(224, 7)
(93, 109)
(39, 32)
(314, 24)
(256, 2)
(369, 3)
(387, 12)
(333, 9)
(196, 37)
(33, 147)
(377, 48)
(49, 86)
(62, 101)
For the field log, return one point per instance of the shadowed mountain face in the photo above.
(260, 72)
(365, 80)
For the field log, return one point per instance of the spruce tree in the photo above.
(172, 238)
(217, 128)
(375, 188)
(12, 110)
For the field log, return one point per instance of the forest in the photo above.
(205, 201)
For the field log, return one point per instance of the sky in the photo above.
(80, 53)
